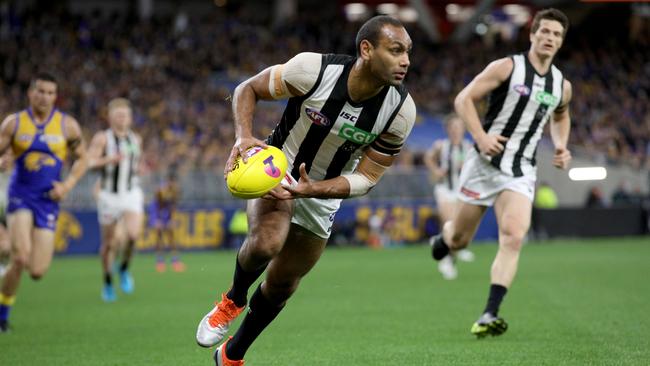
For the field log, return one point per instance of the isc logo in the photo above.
(356, 135)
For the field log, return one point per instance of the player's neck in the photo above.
(362, 85)
(40, 116)
(120, 132)
(541, 63)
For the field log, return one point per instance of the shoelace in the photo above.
(226, 312)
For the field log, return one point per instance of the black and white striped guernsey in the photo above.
(327, 131)
(122, 177)
(451, 159)
(518, 109)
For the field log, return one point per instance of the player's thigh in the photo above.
(5, 246)
(42, 251)
(268, 225)
(513, 212)
(133, 222)
(109, 232)
(300, 253)
(467, 219)
(20, 224)
(446, 210)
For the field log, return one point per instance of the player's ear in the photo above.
(365, 48)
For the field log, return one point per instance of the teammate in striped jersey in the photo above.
(526, 91)
(41, 138)
(445, 160)
(120, 200)
(345, 121)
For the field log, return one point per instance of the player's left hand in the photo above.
(304, 188)
(562, 158)
(241, 145)
(59, 191)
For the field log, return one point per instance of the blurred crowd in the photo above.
(179, 74)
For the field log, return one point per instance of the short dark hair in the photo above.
(550, 14)
(371, 29)
(43, 76)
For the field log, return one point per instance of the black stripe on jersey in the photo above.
(317, 134)
(116, 171)
(366, 121)
(509, 129)
(539, 116)
(385, 147)
(496, 100)
(131, 161)
(291, 115)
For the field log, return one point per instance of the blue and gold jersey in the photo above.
(40, 151)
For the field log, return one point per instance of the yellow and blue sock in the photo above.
(5, 305)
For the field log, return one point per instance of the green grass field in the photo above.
(573, 303)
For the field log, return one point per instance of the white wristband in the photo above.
(359, 184)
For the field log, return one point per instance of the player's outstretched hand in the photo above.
(562, 158)
(304, 188)
(59, 191)
(241, 145)
(492, 145)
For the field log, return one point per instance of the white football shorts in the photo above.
(111, 206)
(442, 193)
(314, 214)
(480, 182)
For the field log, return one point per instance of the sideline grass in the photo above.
(573, 303)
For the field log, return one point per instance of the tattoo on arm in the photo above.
(74, 143)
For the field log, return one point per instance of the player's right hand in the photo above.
(59, 191)
(115, 159)
(241, 145)
(492, 145)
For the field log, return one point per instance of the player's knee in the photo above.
(20, 260)
(459, 240)
(512, 238)
(37, 275)
(265, 247)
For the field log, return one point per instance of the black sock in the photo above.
(260, 314)
(127, 255)
(497, 292)
(241, 282)
(108, 279)
(439, 249)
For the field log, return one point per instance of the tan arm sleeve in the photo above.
(296, 77)
(391, 141)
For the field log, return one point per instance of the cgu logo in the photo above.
(356, 135)
(317, 118)
(521, 89)
(270, 169)
(545, 98)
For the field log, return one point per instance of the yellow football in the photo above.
(263, 171)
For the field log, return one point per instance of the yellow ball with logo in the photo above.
(264, 170)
